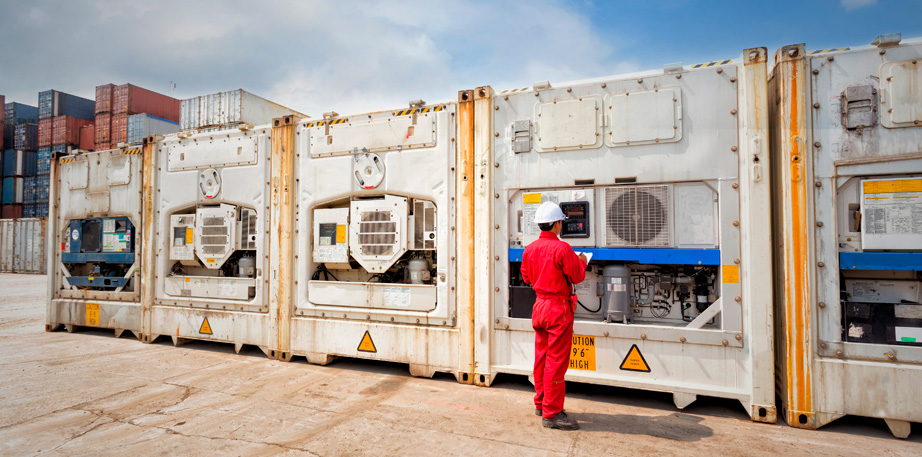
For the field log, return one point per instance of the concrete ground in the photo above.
(88, 393)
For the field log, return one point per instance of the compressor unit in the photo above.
(99, 252)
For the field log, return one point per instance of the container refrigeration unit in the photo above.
(94, 239)
(847, 125)
(375, 269)
(664, 177)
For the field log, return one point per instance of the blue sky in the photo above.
(362, 55)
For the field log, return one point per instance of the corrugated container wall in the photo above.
(130, 99)
(142, 125)
(119, 130)
(22, 246)
(12, 191)
(53, 103)
(11, 212)
(26, 137)
(18, 163)
(45, 129)
(103, 131)
(228, 110)
(104, 98)
(87, 137)
(18, 113)
(67, 130)
(43, 161)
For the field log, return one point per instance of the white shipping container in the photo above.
(847, 125)
(22, 246)
(140, 126)
(225, 110)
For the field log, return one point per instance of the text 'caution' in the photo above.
(367, 345)
(634, 361)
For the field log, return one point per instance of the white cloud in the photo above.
(855, 4)
(313, 56)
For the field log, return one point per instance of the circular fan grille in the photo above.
(637, 217)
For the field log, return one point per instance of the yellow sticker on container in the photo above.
(634, 361)
(531, 198)
(205, 329)
(92, 314)
(188, 279)
(189, 239)
(892, 187)
(367, 345)
(582, 353)
(731, 274)
(209, 260)
(340, 234)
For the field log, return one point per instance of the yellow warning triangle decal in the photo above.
(634, 361)
(367, 345)
(205, 329)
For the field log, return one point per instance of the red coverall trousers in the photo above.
(552, 320)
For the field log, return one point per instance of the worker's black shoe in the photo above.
(560, 421)
(538, 411)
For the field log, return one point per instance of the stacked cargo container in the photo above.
(103, 125)
(16, 113)
(128, 100)
(18, 165)
(61, 118)
(228, 110)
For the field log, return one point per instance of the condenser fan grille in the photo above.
(377, 233)
(214, 235)
(637, 216)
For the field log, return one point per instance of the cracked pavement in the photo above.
(89, 393)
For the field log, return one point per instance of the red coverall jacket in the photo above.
(550, 266)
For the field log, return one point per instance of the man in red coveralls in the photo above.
(551, 267)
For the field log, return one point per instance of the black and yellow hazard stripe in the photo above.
(68, 160)
(131, 151)
(322, 123)
(512, 91)
(823, 51)
(711, 64)
(428, 109)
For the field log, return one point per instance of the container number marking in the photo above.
(92, 314)
(634, 361)
(582, 353)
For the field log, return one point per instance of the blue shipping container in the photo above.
(25, 137)
(18, 113)
(35, 210)
(40, 185)
(12, 191)
(19, 163)
(28, 190)
(52, 103)
(141, 126)
(43, 165)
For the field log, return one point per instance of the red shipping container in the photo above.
(11, 212)
(88, 137)
(103, 130)
(131, 99)
(67, 130)
(104, 98)
(45, 127)
(119, 129)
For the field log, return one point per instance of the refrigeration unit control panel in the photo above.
(99, 252)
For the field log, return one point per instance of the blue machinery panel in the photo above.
(97, 281)
(892, 261)
(107, 257)
(645, 256)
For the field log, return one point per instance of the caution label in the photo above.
(205, 329)
(731, 274)
(340, 234)
(367, 345)
(634, 361)
(531, 198)
(92, 314)
(582, 353)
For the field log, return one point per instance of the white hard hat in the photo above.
(548, 212)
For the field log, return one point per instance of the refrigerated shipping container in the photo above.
(22, 245)
(142, 125)
(45, 132)
(87, 137)
(104, 98)
(131, 99)
(25, 137)
(67, 130)
(53, 103)
(229, 110)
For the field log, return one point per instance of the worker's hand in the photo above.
(582, 257)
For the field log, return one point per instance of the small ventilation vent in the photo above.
(424, 233)
(377, 233)
(247, 229)
(637, 216)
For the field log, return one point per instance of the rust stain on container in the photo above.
(465, 223)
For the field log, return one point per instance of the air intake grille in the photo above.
(214, 235)
(247, 229)
(377, 233)
(423, 225)
(637, 216)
